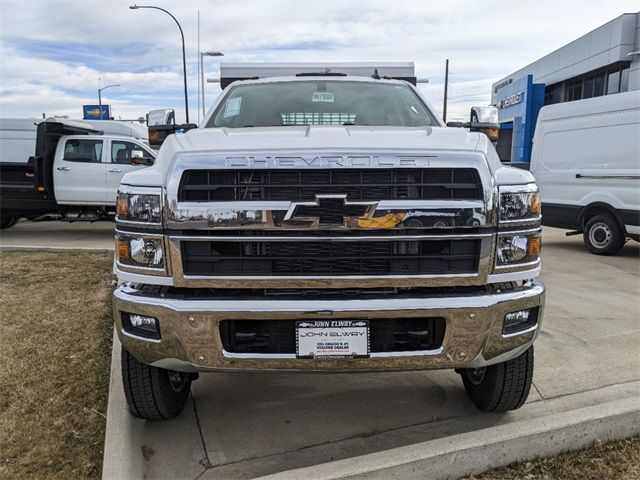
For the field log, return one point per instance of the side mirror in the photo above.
(159, 133)
(165, 116)
(489, 117)
(138, 158)
(488, 128)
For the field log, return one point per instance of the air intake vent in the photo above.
(309, 258)
(357, 184)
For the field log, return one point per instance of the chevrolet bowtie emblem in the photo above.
(329, 209)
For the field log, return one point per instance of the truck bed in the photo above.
(18, 190)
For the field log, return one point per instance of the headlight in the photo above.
(518, 249)
(140, 251)
(139, 207)
(519, 203)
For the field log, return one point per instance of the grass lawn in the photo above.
(616, 460)
(55, 346)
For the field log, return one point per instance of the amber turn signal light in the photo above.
(534, 246)
(535, 204)
(122, 208)
(122, 247)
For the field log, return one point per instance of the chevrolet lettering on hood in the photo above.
(328, 161)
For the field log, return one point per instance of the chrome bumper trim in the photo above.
(368, 238)
(191, 337)
(290, 356)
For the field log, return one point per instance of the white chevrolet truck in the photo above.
(326, 222)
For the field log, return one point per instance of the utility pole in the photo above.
(446, 89)
(100, 94)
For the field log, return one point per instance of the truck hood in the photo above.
(328, 137)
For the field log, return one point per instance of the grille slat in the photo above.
(220, 258)
(302, 185)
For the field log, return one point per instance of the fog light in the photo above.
(519, 321)
(141, 325)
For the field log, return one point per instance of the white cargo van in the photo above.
(586, 160)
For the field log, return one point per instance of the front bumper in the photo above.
(191, 338)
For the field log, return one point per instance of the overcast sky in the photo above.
(53, 52)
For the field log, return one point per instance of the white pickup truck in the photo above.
(324, 222)
(74, 174)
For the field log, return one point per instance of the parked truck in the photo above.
(326, 222)
(73, 174)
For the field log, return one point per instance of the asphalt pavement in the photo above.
(56, 235)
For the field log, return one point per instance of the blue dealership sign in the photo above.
(518, 103)
(94, 112)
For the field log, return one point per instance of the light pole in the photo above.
(184, 56)
(100, 94)
(446, 89)
(206, 54)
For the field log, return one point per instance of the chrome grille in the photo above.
(331, 258)
(302, 185)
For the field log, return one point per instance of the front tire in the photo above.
(501, 387)
(153, 393)
(602, 235)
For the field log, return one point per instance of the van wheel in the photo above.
(153, 393)
(501, 387)
(602, 235)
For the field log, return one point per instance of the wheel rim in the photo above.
(476, 375)
(600, 235)
(177, 380)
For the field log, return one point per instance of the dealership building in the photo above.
(605, 61)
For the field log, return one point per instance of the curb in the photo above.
(123, 437)
(476, 452)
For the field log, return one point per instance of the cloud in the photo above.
(54, 52)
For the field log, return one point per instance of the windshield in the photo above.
(321, 102)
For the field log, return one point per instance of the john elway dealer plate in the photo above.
(332, 339)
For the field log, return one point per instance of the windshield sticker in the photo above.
(326, 97)
(232, 107)
(317, 118)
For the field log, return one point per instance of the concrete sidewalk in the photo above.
(249, 425)
(56, 235)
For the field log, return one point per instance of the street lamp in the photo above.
(206, 54)
(184, 57)
(100, 94)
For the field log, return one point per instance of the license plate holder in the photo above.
(332, 339)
